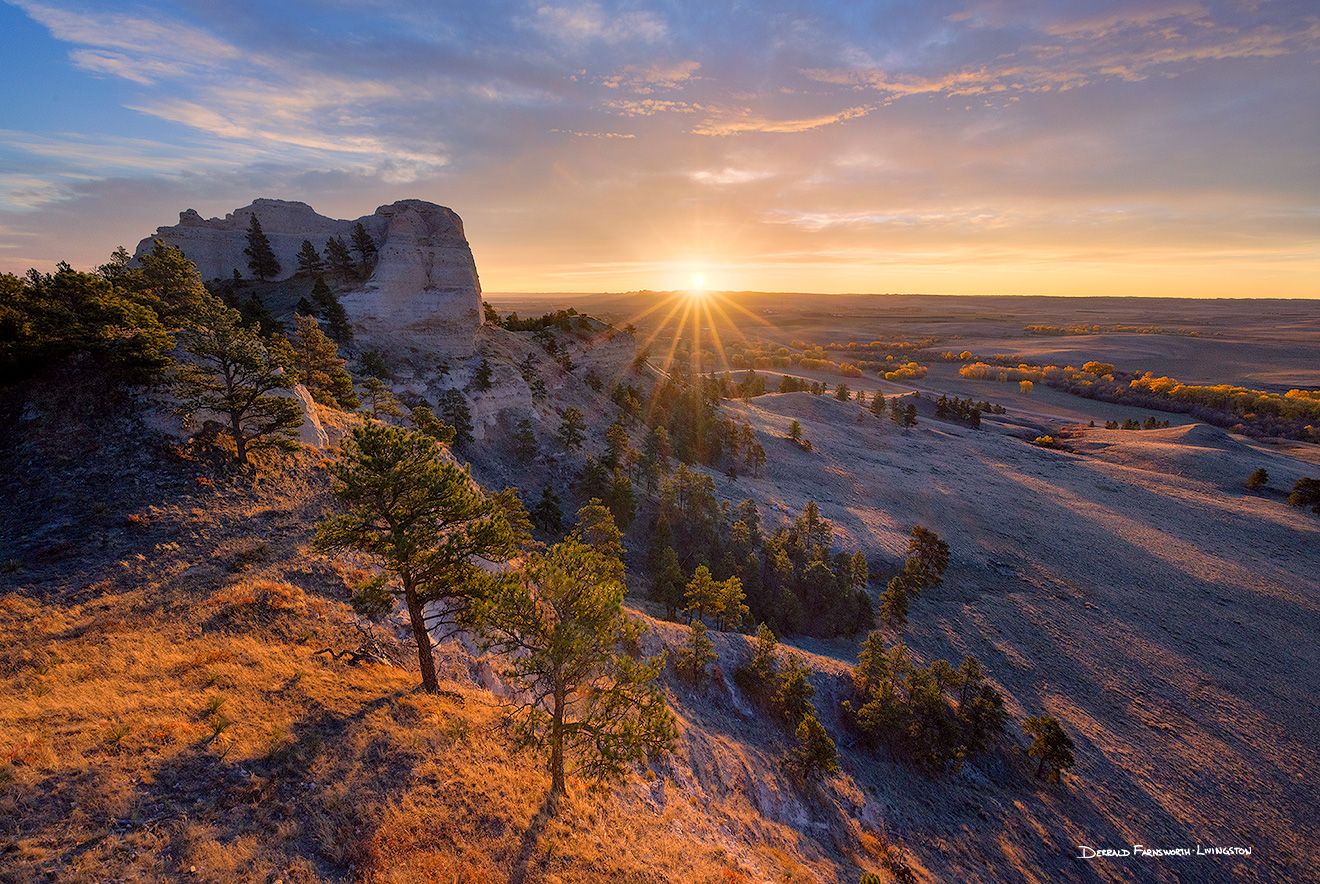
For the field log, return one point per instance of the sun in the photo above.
(698, 281)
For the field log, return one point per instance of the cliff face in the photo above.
(425, 283)
(423, 289)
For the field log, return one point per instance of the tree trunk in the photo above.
(557, 746)
(240, 443)
(425, 659)
(1040, 768)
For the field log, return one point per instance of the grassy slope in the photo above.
(145, 597)
(167, 714)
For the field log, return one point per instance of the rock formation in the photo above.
(422, 290)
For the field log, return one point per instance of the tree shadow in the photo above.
(531, 838)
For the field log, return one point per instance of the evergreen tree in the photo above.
(339, 259)
(1306, 492)
(454, 411)
(322, 297)
(233, 373)
(365, 247)
(621, 499)
(597, 529)
(842, 393)
(481, 378)
(309, 259)
(667, 584)
(909, 416)
(524, 441)
(306, 308)
(255, 315)
(894, 602)
(423, 519)
(571, 429)
(317, 360)
(793, 693)
(696, 655)
(548, 514)
(380, 399)
(1049, 744)
(563, 626)
(815, 756)
(166, 281)
(337, 321)
(261, 258)
(795, 432)
(702, 594)
(428, 424)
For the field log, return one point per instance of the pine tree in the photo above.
(427, 423)
(571, 429)
(667, 584)
(878, 404)
(548, 514)
(380, 399)
(563, 626)
(697, 654)
(481, 378)
(894, 602)
(815, 756)
(261, 258)
(524, 441)
(322, 297)
(317, 359)
(233, 373)
(309, 259)
(337, 321)
(339, 258)
(365, 247)
(1049, 744)
(793, 693)
(703, 594)
(454, 410)
(423, 519)
(1258, 479)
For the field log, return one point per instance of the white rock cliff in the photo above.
(423, 289)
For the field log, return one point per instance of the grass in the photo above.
(165, 713)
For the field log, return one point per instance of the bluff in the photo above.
(423, 288)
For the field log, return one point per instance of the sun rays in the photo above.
(695, 317)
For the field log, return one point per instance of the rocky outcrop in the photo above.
(425, 284)
(423, 289)
(216, 245)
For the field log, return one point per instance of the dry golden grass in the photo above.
(167, 717)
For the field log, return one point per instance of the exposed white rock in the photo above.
(216, 245)
(423, 291)
(425, 284)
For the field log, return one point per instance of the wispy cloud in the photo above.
(586, 22)
(617, 134)
(740, 121)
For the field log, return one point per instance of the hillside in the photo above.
(170, 715)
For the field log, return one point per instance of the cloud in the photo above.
(741, 121)
(157, 38)
(647, 107)
(728, 175)
(1126, 45)
(645, 79)
(586, 22)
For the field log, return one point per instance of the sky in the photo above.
(1064, 147)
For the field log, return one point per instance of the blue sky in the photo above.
(1165, 148)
